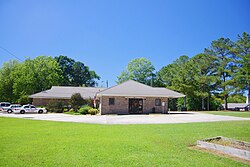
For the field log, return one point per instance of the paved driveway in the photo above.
(174, 117)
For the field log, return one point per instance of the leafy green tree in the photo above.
(203, 69)
(221, 50)
(192, 77)
(76, 73)
(33, 76)
(82, 76)
(24, 99)
(181, 71)
(76, 101)
(236, 98)
(7, 82)
(66, 65)
(241, 75)
(178, 76)
(139, 69)
(164, 77)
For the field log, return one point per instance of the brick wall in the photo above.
(149, 104)
(121, 105)
(44, 102)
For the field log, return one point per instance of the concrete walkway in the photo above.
(174, 117)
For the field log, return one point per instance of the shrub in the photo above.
(93, 111)
(76, 101)
(71, 110)
(84, 109)
(24, 99)
(90, 102)
(65, 110)
(55, 106)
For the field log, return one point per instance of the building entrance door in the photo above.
(135, 106)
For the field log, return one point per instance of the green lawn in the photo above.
(44, 143)
(231, 113)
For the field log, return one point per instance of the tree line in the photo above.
(20, 79)
(220, 74)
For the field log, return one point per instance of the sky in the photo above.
(107, 34)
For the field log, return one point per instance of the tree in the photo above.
(221, 50)
(237, 98)
(192, 77)
(241, 75)
(76, 73)
(177, 76)
(33, 76)
(6, 81)
(139, 69)
(82, 76)
(66, 65)
(203, 79)
(164, 77)
(76, 101)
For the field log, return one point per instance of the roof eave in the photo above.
(140, 95)
(42, 97)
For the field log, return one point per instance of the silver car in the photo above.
(11, 108)
(4, 104)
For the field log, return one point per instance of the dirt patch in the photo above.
(218, 153)
(229, 143)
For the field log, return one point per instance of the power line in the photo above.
(10, 53)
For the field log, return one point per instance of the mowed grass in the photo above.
(44, 143)
(245, 114)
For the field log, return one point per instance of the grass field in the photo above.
(231, 113)
(43, 143)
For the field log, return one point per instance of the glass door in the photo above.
(135, 106)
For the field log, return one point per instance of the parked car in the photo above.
(29, 109)
(4, 104)
(11, 108)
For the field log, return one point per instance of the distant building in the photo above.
(237, 106)
(63, 94)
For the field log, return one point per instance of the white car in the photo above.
(11, 108)
(4, 104)
(29, 109)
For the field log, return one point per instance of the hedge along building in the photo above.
(62, 94)
(132, 97)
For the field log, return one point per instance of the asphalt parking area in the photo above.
(173, 117)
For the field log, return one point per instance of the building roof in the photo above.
(135, 89)
(235, 105)
(65, 92)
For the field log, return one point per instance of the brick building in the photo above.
(62, 94)
(132, 97)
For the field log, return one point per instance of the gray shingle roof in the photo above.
(65, 92)
(133, 88)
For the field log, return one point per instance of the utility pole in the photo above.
(107, 82)
(152, 80)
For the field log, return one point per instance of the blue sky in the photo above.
(107, 34)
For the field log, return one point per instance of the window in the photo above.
(157, 102)
(111, 101)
